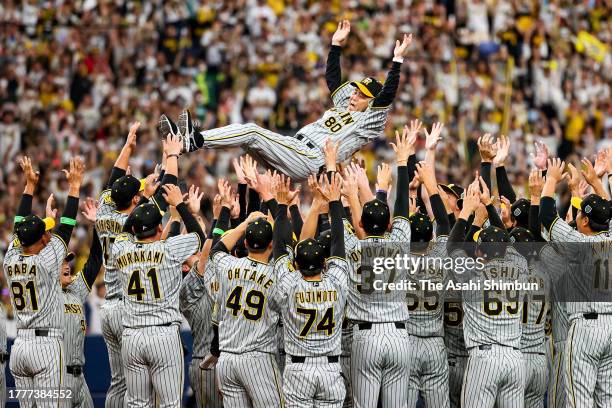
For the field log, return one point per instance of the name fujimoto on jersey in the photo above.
(250, 274)
(316, 296)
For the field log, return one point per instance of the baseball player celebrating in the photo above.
(151, 271)
(380, 360)
(75, 289)
(588, 356)
(312, 301)
(495, 374)
(3, 355)
(429, 366)
(122, 195)
(359, 115)
(247, 369)
(32, 264)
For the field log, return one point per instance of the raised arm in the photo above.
(282, 226)
(333, 74)
(536, 183)
(68, 219)
(431, 142)
(121, 164)
(548, 209)
(428, 175)
(503, 184)
(486, 148)
(174, 197)
(402, 148)
(94, 260)
(172, 148)
(389, 89)
(25, 204)
(335, 216)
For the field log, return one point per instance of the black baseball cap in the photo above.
(520, 212)
(595, 208)
(453, 189)
(124, 189)
(324, 239)
(309, 256)
(32, 228)
(525, 240)
(375, 217)
(258, 235)
(421, 228)
(145, 219)
(369, 86)
(489, 239)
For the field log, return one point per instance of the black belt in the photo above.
(165, 324)
(490, 347)
(368, 325)
(41, 332)
(330, 359)
(303, 138)
(75, 370)
(4, 357)
(591, 316)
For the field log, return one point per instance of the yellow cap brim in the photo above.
(476, 235)
(364, 90)
(577, 203)
(143, 183)
(49, 223)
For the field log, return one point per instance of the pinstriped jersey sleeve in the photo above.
(54, 253)
(341, 95)
(283, 267)
(182, 247)
(350, 240)
(193, 287)
(338, 268)
(79, 287)
(375, 121)
(400, 230)
(105, 203)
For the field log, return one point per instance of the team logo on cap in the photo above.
(588, 208)
(517, 212)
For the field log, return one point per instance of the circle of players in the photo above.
(279, 307)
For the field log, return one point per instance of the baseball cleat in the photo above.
(165, 127)
(186, 128)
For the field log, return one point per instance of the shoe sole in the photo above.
(186, 129)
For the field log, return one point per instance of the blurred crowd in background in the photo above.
(75, 73)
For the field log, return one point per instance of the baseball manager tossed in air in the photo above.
(358, 116)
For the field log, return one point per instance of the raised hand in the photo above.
(239, 171)
(254, 216)
(235, 211)
(342, 32)
(75, 173)
(601, 163)
(401, 49)
(588, 171)
(383, 177)
(284, 195)
(335, 187)
(31, 176)
(217, 206)
(503, 149)
(173, 145)
(49, 210)
(414, 183)
(536, 183)
(249, 167)
(130, 142)
(432, 138)
(471, 200)
(555, 169)
(90, 210)
(172, 194)
(486, 147)
(427, 175)
(194, 199)
(151, 185)
(403, 146)
(574, 178)
(485, 194)
(225, 191)
(540, 159)
(264, 185)
(505, 212)
(349, 184)
(331, 154)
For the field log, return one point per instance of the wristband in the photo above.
(380, 190)
(172, 155)
(68, 221)
(218, 231)
(18, 219)
(398, 59)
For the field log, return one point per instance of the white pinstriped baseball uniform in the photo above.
(533, 337)
(429, 366)
(196, 300)
(380, 359)
(75, 329)
(313, 311)
(302, 155)
(247, 371)
(109, 224)
(152, 350)
(588, 356)
(37, 362)
(455, 346)
(3, 345)
(495, 373)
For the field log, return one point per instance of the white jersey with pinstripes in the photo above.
(109, 224)
(75, 326)
(196, 301)
(494, 317)
(151, 274)
(426, 307)
(3, 336)
(453, 325)
(312, 310)
(352, 129)
(535, 309)
(34, 284)
(247, 319)
(374, 307)
(584, 260)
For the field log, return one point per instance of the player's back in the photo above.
(109, 224)
(493, 316)
(313, 310)
(34, 284)
(151, 275)
(535, 310)
(453, 325)
(75, 326)
(247, 319)
(368, 301)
